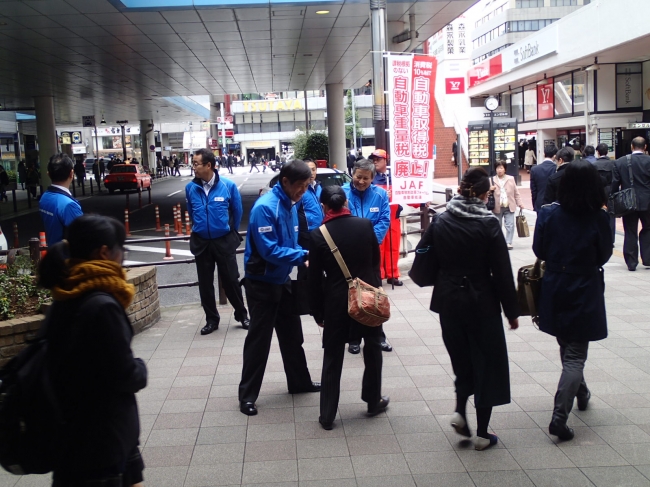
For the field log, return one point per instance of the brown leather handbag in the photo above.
(366, 304)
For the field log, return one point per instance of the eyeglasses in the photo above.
(197, 164)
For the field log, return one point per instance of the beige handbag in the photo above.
(522, 225)
(366, 304)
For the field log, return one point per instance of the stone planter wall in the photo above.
(143, 313)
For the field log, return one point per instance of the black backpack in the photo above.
(31, 421)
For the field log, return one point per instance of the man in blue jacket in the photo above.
(57, 206)
(214, 206)
(272, 251)
(310, 212)
(539, 175)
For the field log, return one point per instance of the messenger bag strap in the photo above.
(337, 254)
(629, 168)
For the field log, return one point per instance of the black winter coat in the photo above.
(95, 377)
(641, 174)
(356, 240)
(475, 276)
(551, 192)
(575, 247)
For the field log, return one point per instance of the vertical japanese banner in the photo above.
(411, 100)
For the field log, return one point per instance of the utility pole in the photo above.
(223, 131)
(122, 123)
(354, 126)
(306, 114)
(378, 32)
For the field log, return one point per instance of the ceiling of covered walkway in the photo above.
(100, 57)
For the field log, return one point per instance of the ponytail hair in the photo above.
(475, 182)
(86, 234)
(333, 196)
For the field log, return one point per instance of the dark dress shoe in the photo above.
(354, 348)
(245, 323)
(386, 347)
(315, 387)
(562, 431)
(380, 407)
(248, 408)
(325, 425)
(583, 401)
(395, 281)
(631, 269)
(209, 328)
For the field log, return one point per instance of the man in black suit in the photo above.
(562, 158)
(605, 168)
(540, 174)
(640, 167)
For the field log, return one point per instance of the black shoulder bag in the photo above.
(424, 270)
(624, 202)
(490, 201)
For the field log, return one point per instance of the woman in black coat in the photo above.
(357, 243)
(94, 374)
(574, 238)
(474, 281)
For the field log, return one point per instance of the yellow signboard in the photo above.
(272, 105)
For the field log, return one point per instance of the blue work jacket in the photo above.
(58, 210)
(272, 241)
(371, 204)
(216, 214)
(311, 204)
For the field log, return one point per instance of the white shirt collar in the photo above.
(638, 152)
(209, 183)
(62, 188)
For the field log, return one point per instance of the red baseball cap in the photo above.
(379, 154)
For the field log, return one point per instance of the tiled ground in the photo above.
(193, 434)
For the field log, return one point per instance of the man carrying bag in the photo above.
(635, 177)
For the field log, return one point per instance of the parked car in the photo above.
(325, 176)
(127, 176)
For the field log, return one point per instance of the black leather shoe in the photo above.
(354, 348)
(394, 280)
(315, 387)
(380, 407)
(325, 425)
(248, 408)
(386, 347)
(631, 269)
(562, 431)
(245, 323)
(583, 402)
(209, 328)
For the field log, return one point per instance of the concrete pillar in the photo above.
(336, 125)
(148, 139)
(215, 112)
(544, 135)
(46, 133)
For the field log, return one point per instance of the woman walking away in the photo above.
(356, 241)
(94, 373)
(474, 281)
(574, 238)
(529, 158)
(507, 199)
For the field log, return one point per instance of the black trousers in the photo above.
(331, 377)
(270, 307)
(356, 340)
(572, 381)
(633, 237)
(218, 252)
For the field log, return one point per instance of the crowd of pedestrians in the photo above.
(287, 228)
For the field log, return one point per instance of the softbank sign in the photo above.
(519, 54)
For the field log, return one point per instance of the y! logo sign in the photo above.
(455, 86)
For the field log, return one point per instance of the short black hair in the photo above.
(566, 154)
(59, 167)
(602, 149)
(550, 151)
(589, 151)
(206, 156)
(581, 188)
(296, 170)
(638, 143)
(333, 196)
(501, 163)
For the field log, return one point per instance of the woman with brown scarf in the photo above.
(94, 373)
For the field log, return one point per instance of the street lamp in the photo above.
(122, 123)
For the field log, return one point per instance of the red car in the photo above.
(127, 176)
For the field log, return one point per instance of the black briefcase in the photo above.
(624, 202)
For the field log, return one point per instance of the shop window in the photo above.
(578, 93)
(107, 143)
(629, 85)
(563, 100)
(269, 126)
(517, 106)
(530, 103)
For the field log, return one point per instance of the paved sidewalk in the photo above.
(193, 434)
